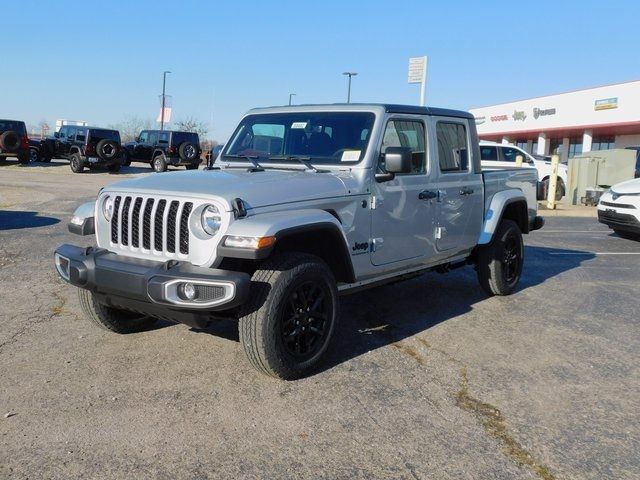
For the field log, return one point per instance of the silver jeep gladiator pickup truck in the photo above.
(303, 204)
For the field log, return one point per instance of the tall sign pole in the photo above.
(418, 74)
(164, 83)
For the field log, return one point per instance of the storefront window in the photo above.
(575, 147)
(555, 146)
(603, 143)
(534, 148)
(522, 144)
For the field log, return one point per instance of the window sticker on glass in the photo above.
(300, 125)
(350, 156)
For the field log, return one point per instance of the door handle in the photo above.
(466, 191)
(427, 195)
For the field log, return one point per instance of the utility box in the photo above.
(598, 170)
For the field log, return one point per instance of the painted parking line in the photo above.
(594, 253)
(572, 231)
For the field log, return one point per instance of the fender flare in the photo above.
(495, 211)
(282, 225)
(156, 152)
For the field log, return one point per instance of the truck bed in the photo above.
(524, 179)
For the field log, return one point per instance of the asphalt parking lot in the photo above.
(426, 379)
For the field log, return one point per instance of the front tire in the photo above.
(75, 162)
(24, 158)
(126, 158)
(291, 315)
(114, 168)
(112, 319)
(500, 262)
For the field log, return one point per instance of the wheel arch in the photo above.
(508, 204)
(316, 232)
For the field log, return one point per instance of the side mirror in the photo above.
(396, 160)
(56, 134)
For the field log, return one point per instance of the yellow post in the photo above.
(519, 160)
(553, 182)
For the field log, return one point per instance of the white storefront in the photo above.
(569, 123)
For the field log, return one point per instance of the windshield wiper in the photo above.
(251, 158)
(303, 160)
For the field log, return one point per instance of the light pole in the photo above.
(290, 96)
(349, 74)
(164, 83)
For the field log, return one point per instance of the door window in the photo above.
(153, 138)
(62, 133)
(144, 137)
(81, 135)
(453, 150)
(488, 153)
(510, 154)
(408, 134)
(162, 137)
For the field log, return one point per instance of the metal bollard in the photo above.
(519, 160)
(553, 182)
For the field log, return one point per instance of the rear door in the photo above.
(460, 200)
(402, 223)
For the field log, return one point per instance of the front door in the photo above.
(460, 188)
(403, 223)
(141, 148)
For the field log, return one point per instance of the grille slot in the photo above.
(125, 221)
(148, 223)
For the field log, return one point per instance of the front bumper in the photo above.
(618, 220)
(152, 287)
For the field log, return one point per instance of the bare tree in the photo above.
(131, 126)
(191, 124)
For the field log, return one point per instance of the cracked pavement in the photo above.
(426, 379)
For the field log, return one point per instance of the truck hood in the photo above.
(630, 186)
(256, 189)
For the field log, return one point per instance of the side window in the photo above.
(81, 135)
(452, 147)
(163, 137)
(409, 134)
(153, 138)
(488, 153)
(144, 137)
(62, 133)
(510, 154)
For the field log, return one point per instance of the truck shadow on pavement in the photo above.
(375, 318)
(14, 220)
(388, 314)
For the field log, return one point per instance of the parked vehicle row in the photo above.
(93, 147)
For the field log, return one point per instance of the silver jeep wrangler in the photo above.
(303, 204)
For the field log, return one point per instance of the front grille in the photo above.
(151, 224)
(618, 205)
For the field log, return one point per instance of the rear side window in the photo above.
(409, 134)
(102, 134)
(163, 138)
(10, 125)
(453, 151)
(181, 137)
(488, 153)
(81, 135)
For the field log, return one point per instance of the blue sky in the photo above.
(102, 61)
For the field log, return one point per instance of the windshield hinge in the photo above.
(375, 202)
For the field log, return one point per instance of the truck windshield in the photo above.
(97, 135)
(320, 137)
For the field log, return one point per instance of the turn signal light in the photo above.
(254, 243)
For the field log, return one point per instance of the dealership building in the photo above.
(568, 124)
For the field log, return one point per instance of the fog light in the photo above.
(62, 265)
(188, 291)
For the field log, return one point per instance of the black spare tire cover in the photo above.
(9, 141)
(188, 151)
(107, 149)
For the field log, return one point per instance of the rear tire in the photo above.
(113, 168)
(288, 322)
(544, 186)
(112, 319)
(193, 166)
(75, 162)
(159, 164)
(500, 262)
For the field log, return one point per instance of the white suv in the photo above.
(619, 208)
(499, 155)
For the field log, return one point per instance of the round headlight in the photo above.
(107, 208)
(211, 219)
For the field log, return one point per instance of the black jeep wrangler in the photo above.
(161, 148)
(84, 147)
(14, 141)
